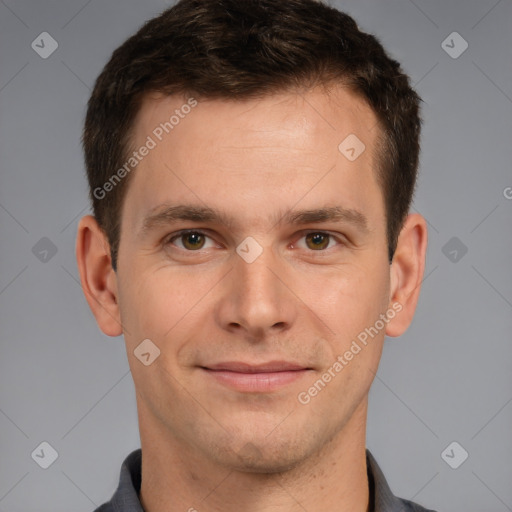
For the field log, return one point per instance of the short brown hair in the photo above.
(243, 49)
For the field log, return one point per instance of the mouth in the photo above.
(255, 378)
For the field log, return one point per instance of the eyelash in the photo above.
(179, 234)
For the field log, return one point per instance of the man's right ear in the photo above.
(98, 278)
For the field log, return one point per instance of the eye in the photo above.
(190, 240)
(316, 241)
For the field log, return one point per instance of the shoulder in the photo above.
(106, 507)
(126, 497)
(381, 496)
(409, 506)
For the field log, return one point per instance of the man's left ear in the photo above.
(406, 273)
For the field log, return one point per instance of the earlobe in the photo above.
(98, 279)
(407, 270)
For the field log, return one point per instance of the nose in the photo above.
(255, 299)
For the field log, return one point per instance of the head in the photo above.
(285, 142)
(231, 50)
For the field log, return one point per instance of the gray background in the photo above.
(447, 379)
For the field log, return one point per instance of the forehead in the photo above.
(275, 149)
(309, 114)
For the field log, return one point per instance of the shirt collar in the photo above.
(126, 497)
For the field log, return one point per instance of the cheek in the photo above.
(348, 299)
(162, 304)
(350, 305)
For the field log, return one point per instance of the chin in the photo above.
(250, 463)
(268, 456)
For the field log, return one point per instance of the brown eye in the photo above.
(192, 241)
(317, 241)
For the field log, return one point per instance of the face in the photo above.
(253, 254)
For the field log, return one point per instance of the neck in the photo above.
(175, 477)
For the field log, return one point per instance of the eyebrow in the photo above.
(166, 214)
(328, 214)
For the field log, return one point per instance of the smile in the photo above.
(255, 378)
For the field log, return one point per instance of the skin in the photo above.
(207, 446)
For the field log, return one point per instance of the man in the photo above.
(251, 166)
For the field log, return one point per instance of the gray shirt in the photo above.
(126, 497)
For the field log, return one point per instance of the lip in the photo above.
(256, 378)
(269, 367)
